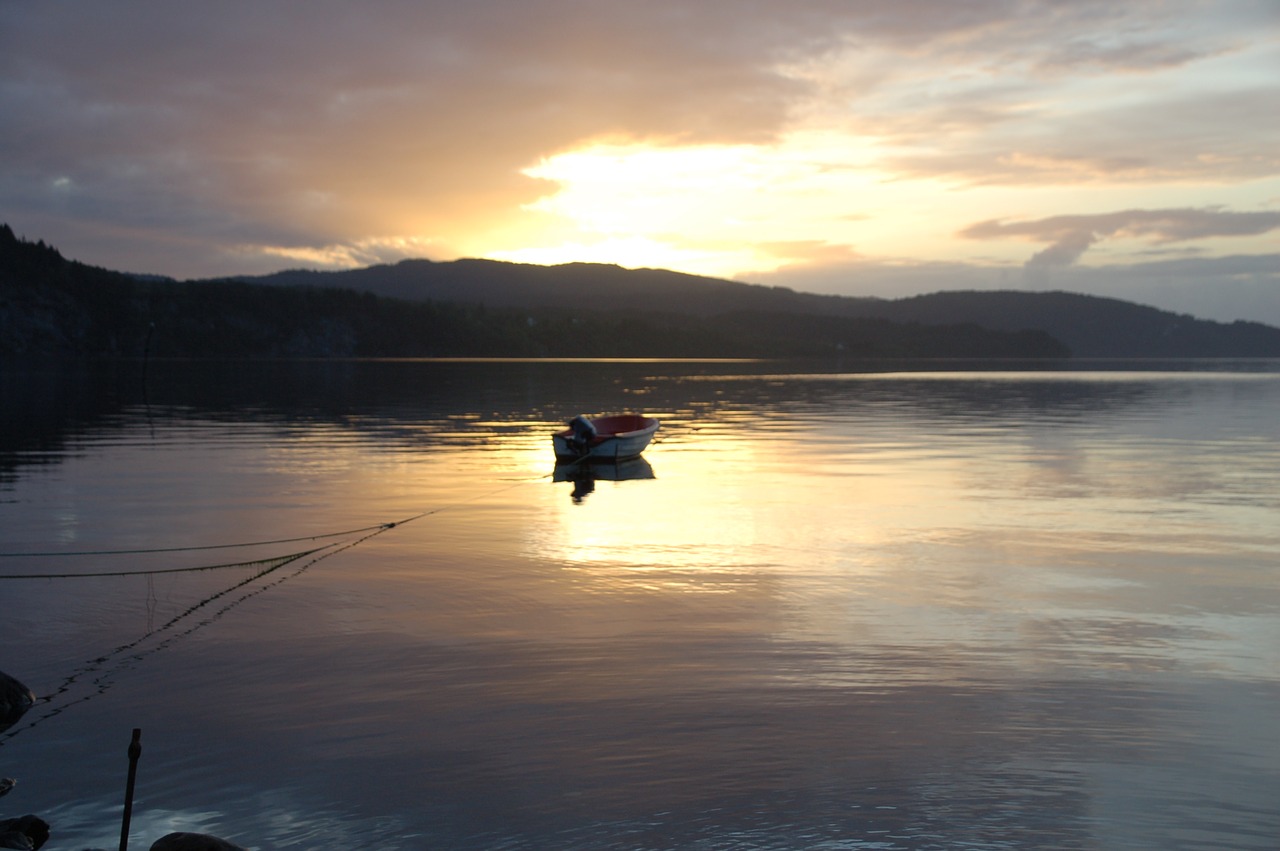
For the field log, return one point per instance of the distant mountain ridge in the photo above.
(1090, 326)
(54, 307)
(50, 305)
(571, 286)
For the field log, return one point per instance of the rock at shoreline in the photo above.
(193, 842)
(26, 833)
(15, 700)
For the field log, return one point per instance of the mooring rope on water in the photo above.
(104, 668)
(161, 570)
(377, 527)
(195, 548)
(374, 528)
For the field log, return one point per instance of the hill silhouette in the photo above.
(50, 305)
(571, 286)
(1090, 326)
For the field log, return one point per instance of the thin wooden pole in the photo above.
(135, 751)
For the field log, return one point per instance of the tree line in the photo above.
(54, 307)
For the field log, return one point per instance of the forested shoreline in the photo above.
(54, 307)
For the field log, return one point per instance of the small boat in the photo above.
(614, 438)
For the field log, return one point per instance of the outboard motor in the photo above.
(583, 433)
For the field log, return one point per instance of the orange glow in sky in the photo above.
(877, 147)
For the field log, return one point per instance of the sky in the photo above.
(859, 147)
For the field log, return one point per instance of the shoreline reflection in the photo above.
(909, 611)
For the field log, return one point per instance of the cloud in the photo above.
(1019, 135)
(258, 123)
(810, 252)
(1066, 250)
(312, 130)
(1071, 236)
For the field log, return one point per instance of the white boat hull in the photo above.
(616, 439)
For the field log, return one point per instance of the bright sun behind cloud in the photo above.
(709, 209)
(724, 210)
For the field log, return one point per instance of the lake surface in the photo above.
(916, 606)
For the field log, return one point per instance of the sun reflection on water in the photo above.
(919, 606)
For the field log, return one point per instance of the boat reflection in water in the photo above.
(585, 473)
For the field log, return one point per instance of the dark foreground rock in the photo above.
(15, 700)
(26, 833)
(193, 842)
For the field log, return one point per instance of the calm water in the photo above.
(832, 610)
